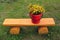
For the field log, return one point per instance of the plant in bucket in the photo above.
(35, 12)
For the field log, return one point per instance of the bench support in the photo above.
(14, 30)
(43, 30)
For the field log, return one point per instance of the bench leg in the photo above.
(14, 30)
(43, 30)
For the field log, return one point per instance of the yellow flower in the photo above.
(35, 8)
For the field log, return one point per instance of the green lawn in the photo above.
(18, 9)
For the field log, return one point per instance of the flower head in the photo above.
(35, 8)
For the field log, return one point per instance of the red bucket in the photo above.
(35, 18)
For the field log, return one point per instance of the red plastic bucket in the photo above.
(35, 18)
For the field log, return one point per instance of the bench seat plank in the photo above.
(27, 22)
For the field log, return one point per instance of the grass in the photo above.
(18, 9)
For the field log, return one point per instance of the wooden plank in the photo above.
(27, 22)
(15, 30)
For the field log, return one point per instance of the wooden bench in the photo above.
(16, 23)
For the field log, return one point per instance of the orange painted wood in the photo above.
(27, 22)
(15, 30)
(43, 30)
